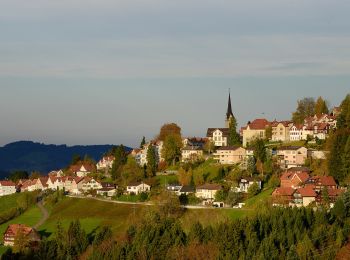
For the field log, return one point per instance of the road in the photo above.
(45, 215)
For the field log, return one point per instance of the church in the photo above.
(219, 136)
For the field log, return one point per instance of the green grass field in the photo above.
(92, 214)
(166, 179)
(261, 197)
(9, 201)
(30, 218)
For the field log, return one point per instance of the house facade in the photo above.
(191, 153)
(7, 188)
(245, 183)
(14, 231)
(207, 191)
(281, 131)
(230, 154)
(105, 163)
(291, 156)
(218, 136)
(254, 130)
(137, 188)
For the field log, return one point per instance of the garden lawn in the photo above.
(261, 197)
(167, 179)
(29, 218)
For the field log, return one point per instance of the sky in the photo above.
(111, 71)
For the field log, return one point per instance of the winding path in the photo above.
(45, 215)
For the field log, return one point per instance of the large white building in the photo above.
(7, 188)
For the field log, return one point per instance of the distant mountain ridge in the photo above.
(32, 156)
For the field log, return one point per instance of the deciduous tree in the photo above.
(305, 108)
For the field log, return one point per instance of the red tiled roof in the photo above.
(14, 228)
(259, 124)
(335, 192)
(303, 176)
(7, 183)
(307, 192)
(283, 191)
(325, 180)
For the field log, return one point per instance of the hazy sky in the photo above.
(110, 71)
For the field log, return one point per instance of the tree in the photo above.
(253, 190)
(209, 146)
(345, 160)
(343, 120)
(321, 107)
(171, 151)
(259, 154)
(143, 142)
(233, 138)
(152, 163)
(233, 198)
(17, 175)
(251, 166)
(305, 108)
(220, 195)
(131, 171)
(120, 160)
(21, 241)
(167, 130)
(75, 159)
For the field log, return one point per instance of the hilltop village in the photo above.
(293, 163)
(285, 147)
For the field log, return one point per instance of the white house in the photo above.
(207, 191)
(245, 183)
(108, 189)
(296, 132)
(7, 188)
(191, 153)
(91, 184)
(137, 187)
(105, 163)
(218, 136)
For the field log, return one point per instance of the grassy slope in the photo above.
(9, 201)
(30, 218)
(262, 196)
(93, 213)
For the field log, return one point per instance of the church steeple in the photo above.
(229, 113)
(229, 107)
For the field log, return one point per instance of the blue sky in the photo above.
(90, 72)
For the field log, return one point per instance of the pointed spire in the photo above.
(229, 107)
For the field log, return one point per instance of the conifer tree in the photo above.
(120, 160)
(151, 161)
(143, 142)
(234, 138)
(321, 107)
(345, 160)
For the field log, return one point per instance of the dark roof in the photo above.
(289, 147)
(225, 131)
(228, 148)
(187, 188)
(210, 186)
(107, 189)
(192, 148)
(299, 169)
